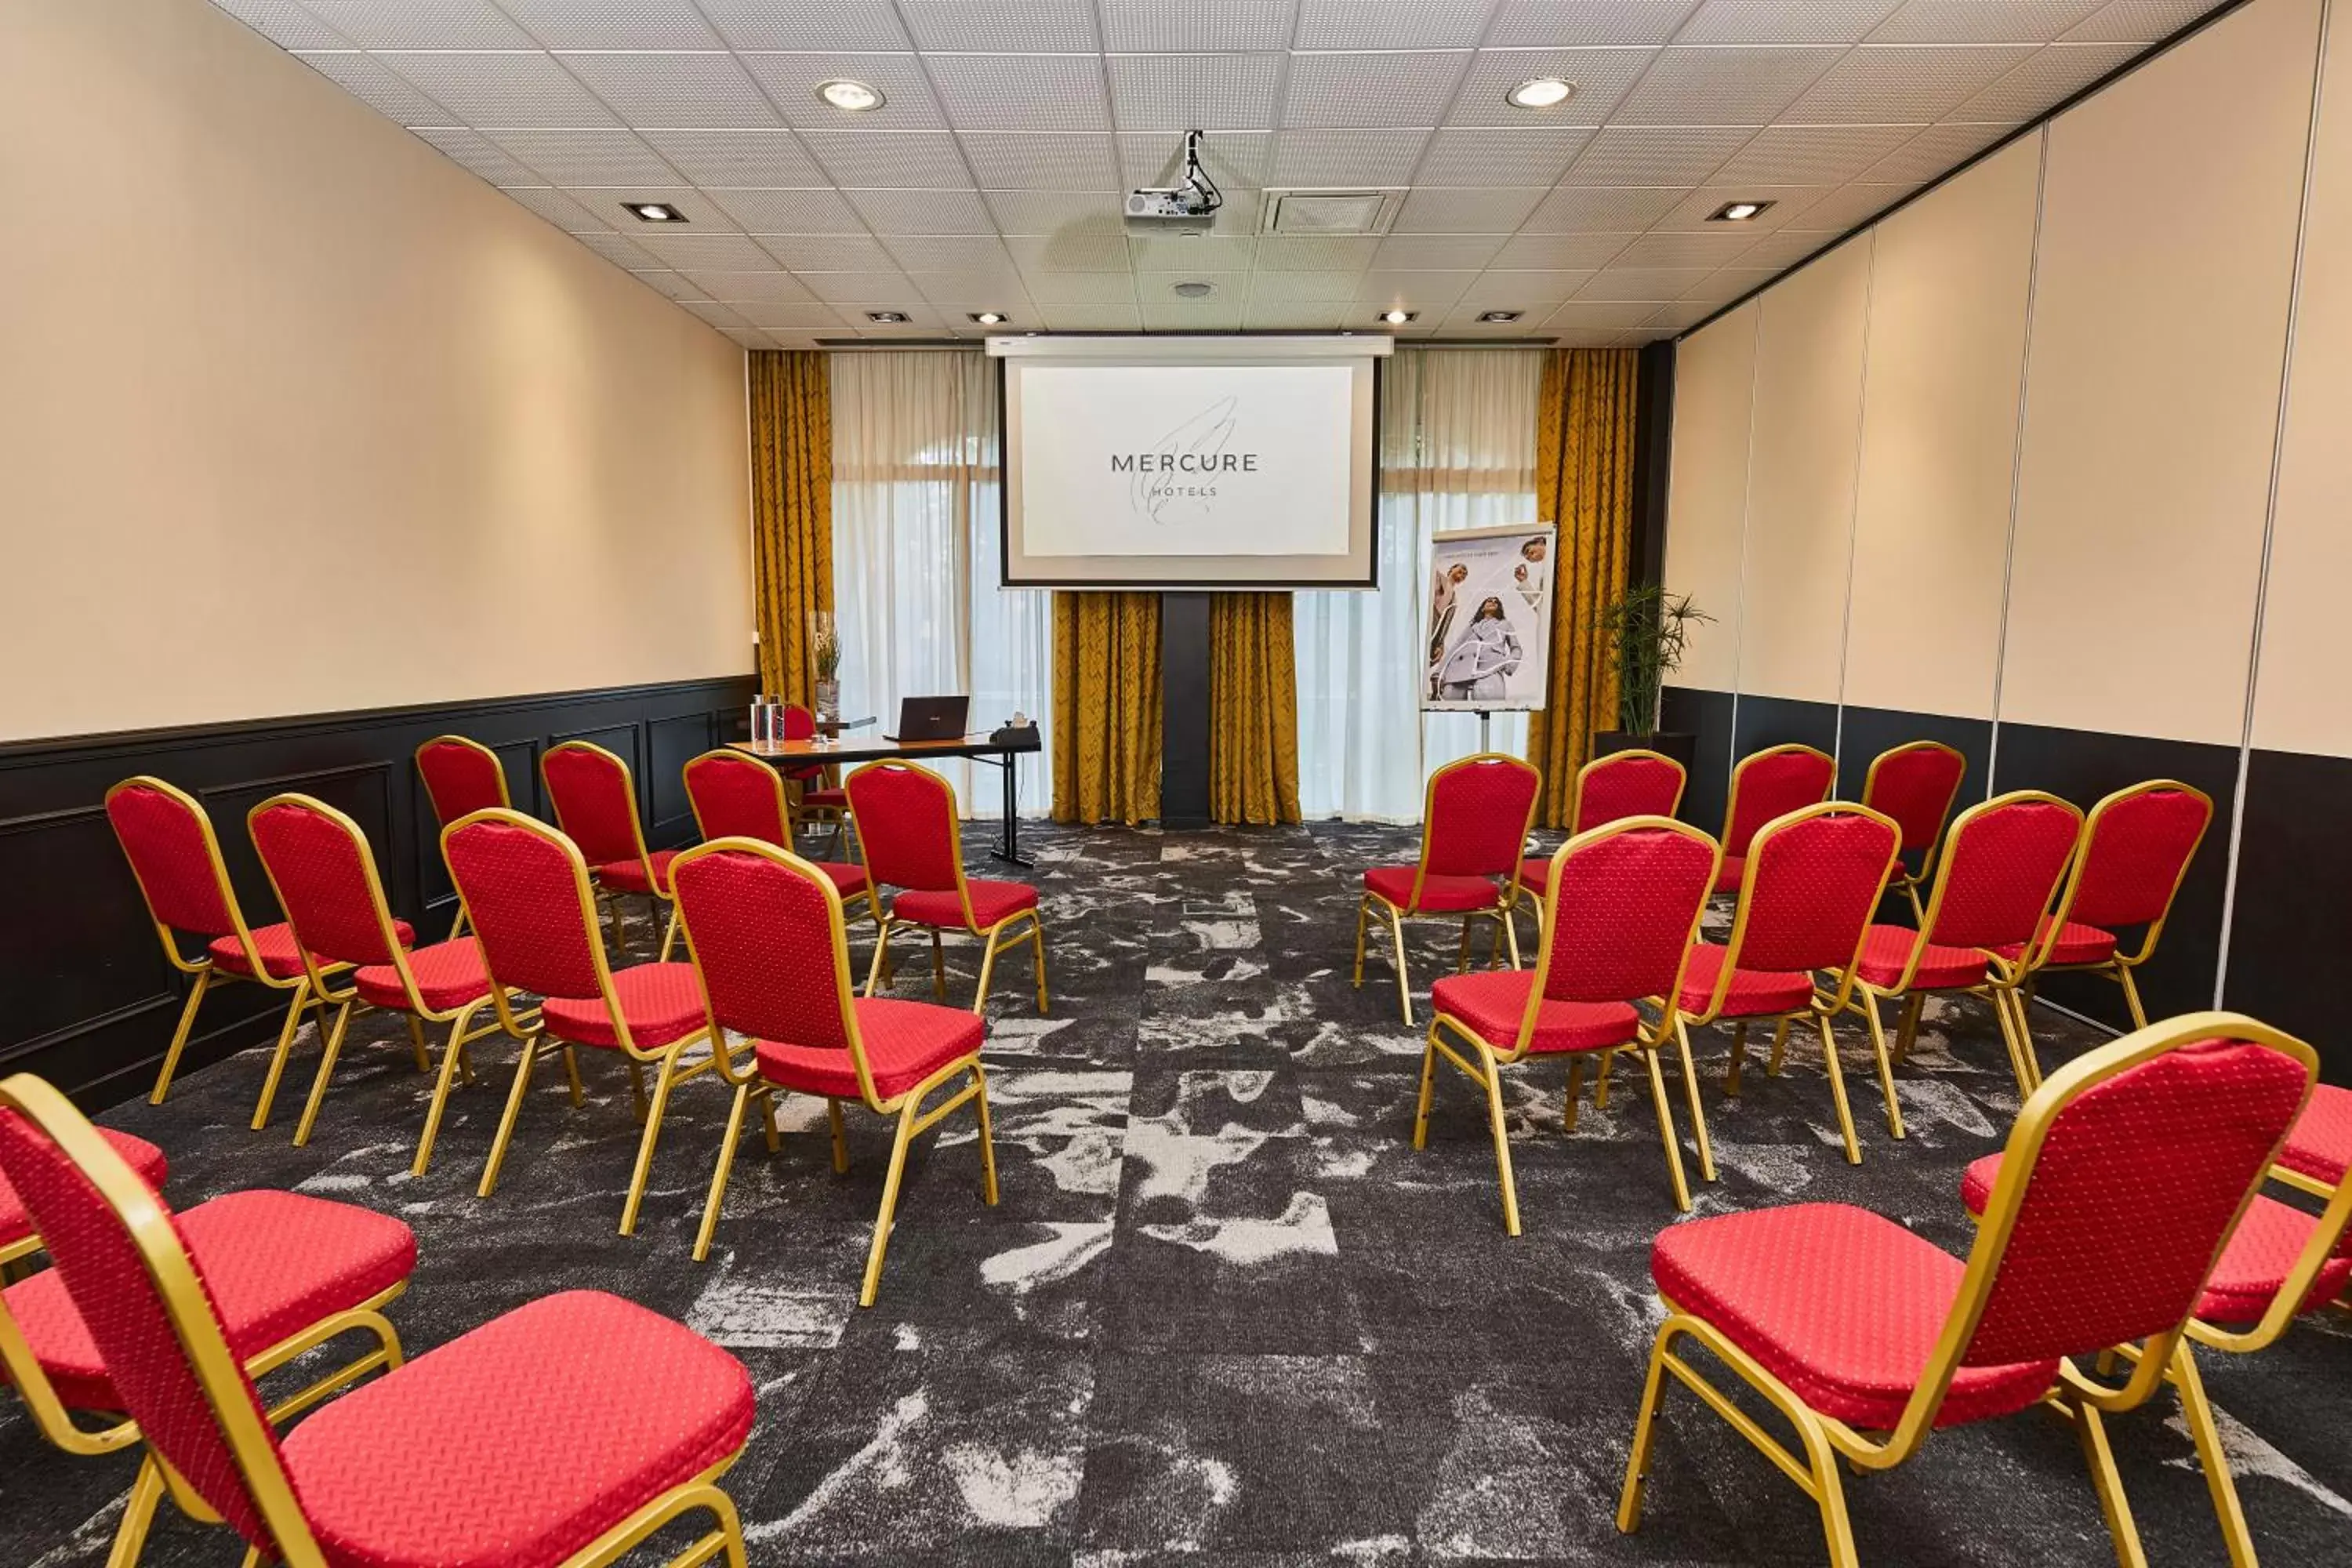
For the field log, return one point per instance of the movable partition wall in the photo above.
(2050, 465)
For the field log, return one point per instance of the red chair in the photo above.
(907, 825)
(1915, 784)
(1632, 783)
(818, 800)
(1473, 831)
(2000, 865)
(564, 1433)
(766, 931)
(2123, 1177)
(2136, 846)
(285, 1273)
(1618, 923)
(1767, 783)
(736, 796)
(461, 777)
(595, 803)
(1812, 879)
(2318, 1151)
(527, 887)
(324, 874)
(172, 852)
(18, 1240)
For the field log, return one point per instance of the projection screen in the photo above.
(1190, 462)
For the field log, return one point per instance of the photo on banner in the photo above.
(1489, 619)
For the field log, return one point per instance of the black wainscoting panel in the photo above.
(1870, 731)
(91, 1002)
(1783, 721)
(2292, 927)
(1695, 710)
(2082, 766)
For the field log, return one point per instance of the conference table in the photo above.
(1003, 749)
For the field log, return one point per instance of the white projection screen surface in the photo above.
(1222, 462)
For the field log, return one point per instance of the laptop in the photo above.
(931, 719)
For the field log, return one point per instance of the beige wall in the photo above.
(1715, 383)
(297, 415)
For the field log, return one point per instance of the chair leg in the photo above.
(1363, 912)
(1037, 937)
(618, 927)
(2131, 996)
(1738, 1059)
(1667, 1131)
(451, 1060)
(1492, 1077)
(881, 950)
(987, 1135)
(1836, 1070)
(180, 1035)
(1404, 981)
(1780, 1050)
(507, 1122)
(457, 926)
(1600, 1078)
(727, 1141)
(2199, 1412)
(326, 1070)
(1878, 1050)
(662, 1081)
(1511, 933)
(1575, 1093)
(2090, 1428)
(1690, 1093)
(1462, 961)
(669, 932)
(571, 1076)
(873, 1281)
(637, 1089)
(1906, 1031)
(987, 967)
(2019, 1051)
(840, 1138)
(285, 1047)
(1428, 1089)
(416, 1042)
(1645, 1427)
(138, 1514)
(939, 969)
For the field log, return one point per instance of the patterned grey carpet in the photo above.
(1224, 1314)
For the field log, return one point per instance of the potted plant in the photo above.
(824, 659)
(1646, 629)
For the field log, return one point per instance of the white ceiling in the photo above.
(990, 180)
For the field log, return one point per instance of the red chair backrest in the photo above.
(2000, 868)
(736, 796)
(461, 777)
(1773, 783)
(1915, 784)
(769, 944)
(800, 724)
(1622, 911)
(1627, 784)
(106, 1273)
(594, 802)
(2128, 1203)
(1478, 812)
(907, 822)
(2135, 845)
(319, 861)
(523, 886)
(163, 834)
(1811, 884)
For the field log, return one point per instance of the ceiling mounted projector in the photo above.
(1189, 206)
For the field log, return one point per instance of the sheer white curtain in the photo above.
(1457, 450)
(916, 555)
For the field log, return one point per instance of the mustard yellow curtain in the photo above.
(1584, 485)
(1106, 728)
(791, 513)
(1252, 710)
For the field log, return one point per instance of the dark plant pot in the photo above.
(1681, 745)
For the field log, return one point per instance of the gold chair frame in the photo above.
(1576, 801)
(1731, 796)
(1368, 903)
(656, 900)
(783, 814)
(1908, 881)
(1826, 1442)
(1484, 1063)
(498, 770)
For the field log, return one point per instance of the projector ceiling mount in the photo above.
(1189, 206)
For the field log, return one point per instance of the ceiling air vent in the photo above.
(1329, 212)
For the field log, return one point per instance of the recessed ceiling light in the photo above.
(989, 318)
(654, 212)
(1497, 317)
(1398, 318)
(1541, 92)
(888, 318)
(1193, 291)
(855, 97)
(1737, 212)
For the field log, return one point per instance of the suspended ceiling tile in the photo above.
(613, 24)
(923, 212)
(1235, 160)
(675, 285)
(1681, 318)
(527, 88)
(1686, 250)
(1194, 93)
(881, 160)
(1466, 211)
(1882, 84)
(946, 252)
(587, 155)
(790, 82)
(1155, 25)
(1779, 22)
(1659, 284)
(1583, 251)
(1440, 251)
(622, 251)
(1079, 250)
(1316, 253)
(1731, 283)
(1425, 289)
(1390, 24)
(473, 151)
(2050, 78)
(1014, 161)
(1114, 318)
(808, 315)
(1050, 288)
(833, 287)
(1351, 159)
(770, 158)
(957, 292)
(1812, 155)
(1293, 288)
(1524, 158)
(1589, 317)
(1363, 91)
(1020, 93)
(1979, 22)
(1648, 155)
(1295, 316)
(1163, 313)
(768, 286)
(285, 24)
(1532, 290)
(2139, 21)
(787, 212)
(714, 252)
(715, 313)
(1052, 212)
(422, 24)
(827, 252)
(924, 319)
(558, 208)
(1695, 213)
(807, 23)
(382, 88)
(1574, 209)
(1571, 24)
(1723, 85)
(673, 88)
(1050, 26)
(611, 204)
(1849, 205)
(1788, 247)
(1600, 77)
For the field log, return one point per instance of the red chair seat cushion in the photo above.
(2078, 944)
(2319, 1145)
(16, 1223)
(1492, 1003)
(629, 876)
(1886, 950)
(848, 881)
(1842, 1305)
(661, 1002)
(518, 1443)
(1728, 875)
(905, 1042)
(448, 974)
(990, 902)
(824, 799)
(2255, 1263)
(280, 956)
(274, 1263)
(1754, 994)
(1439, 894)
